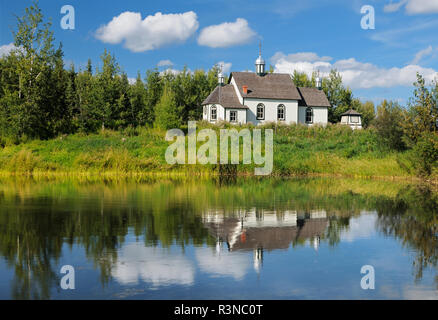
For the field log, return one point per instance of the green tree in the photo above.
(389, 125)
(137, 97)
(167, 112)
(425, 153)
(422, 114)
(154, 91)
(33, 104)
(340, 98)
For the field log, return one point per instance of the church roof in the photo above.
(278, 86)
(225, 96)
(270, 86)
(270, 238)
(313, 97)
(351, 112)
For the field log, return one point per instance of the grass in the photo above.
(298, 150)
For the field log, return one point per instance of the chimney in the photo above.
(245, 89)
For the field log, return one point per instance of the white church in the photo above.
(261, 97)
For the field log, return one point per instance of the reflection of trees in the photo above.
(38, 219)
(34, 228)
(413, 218)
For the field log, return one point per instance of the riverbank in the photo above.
(298, 151)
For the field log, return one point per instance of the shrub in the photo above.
(425, 153)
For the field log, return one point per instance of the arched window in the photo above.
(213, 116)
(281, 112)
(260, 111)
(309, 115)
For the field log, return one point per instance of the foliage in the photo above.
(425, 153)
(388, 123)
(167, 112)
(422, 115)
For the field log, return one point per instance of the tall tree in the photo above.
(422, 115)
(389, 124)
(32, 105)
(167, 112)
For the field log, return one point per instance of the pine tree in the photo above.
(167, 114)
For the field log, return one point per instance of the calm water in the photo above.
(245, 239)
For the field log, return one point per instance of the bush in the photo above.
(425, 153)
(389, 125)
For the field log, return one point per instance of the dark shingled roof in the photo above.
(272, 238)
(225, 96)
(313, 97)
(351, 112)
(270, 86)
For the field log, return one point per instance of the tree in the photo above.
(301, 79)
(167, 113)
(422, 115)
(137, 97)
(425, 153)
(368, 112)
(32, 105)
(389, 125)
(154, 91)
(340, 98)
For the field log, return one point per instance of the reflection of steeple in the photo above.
(316, 242)
(258, 259)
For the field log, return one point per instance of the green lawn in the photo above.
(298, 150)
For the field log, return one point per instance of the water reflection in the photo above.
(156, 266)
(135, 233)
(258, 230)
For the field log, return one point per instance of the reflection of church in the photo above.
(264, 230)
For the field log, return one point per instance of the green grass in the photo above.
(298, 150)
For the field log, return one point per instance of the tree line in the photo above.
(40, 98)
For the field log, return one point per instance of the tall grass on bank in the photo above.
(298, 150)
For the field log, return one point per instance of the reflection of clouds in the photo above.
(363, 226)
(224, 263)
(420, 293)
(153, 265)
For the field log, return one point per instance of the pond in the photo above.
(218, 239)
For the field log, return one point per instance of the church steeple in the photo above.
(260, 63)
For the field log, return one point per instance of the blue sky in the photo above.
(304, 35)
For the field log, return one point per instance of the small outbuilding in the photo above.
(352, 118)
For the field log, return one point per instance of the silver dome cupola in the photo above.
(260, 63)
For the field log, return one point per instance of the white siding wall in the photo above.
(241, 115)
(220, 111)
(320, 115)
(271, 110)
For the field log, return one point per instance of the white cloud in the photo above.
(231, 264)
(174, 71)
(394, 6)
(6, 49)
(226, 66)
(164, 63)
(421, 54)
(300, 56)
(414, 6)
(398, 36)
(227, 34)
(150, 33)
(153, 265)
(361, 227)
(357, 75)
